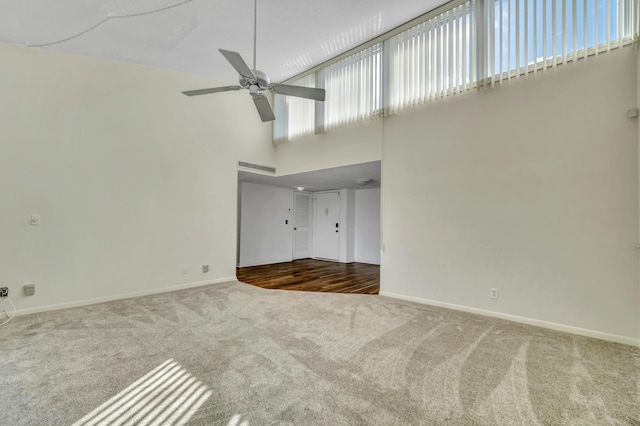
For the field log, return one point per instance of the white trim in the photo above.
(356, 260)
(79, 303)
(315, 225)
(270, 262)
(523, 320)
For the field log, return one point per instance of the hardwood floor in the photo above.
(314, 275)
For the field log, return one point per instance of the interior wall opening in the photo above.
(314, 231)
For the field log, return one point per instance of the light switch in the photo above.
(35, 219)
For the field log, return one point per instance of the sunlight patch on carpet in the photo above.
(235, 421)
(167, 395)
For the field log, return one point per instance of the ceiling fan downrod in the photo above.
(255, 32)
(257, 82)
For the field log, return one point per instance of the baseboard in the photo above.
(523, 320)
(85, 302)
(367, 261)
(260, 263)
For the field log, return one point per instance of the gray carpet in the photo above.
(233, 354)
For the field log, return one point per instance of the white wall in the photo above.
(265, 235)
(133, 180)
(345, 146)
(367, 225)
(536, 194)
(531, 187)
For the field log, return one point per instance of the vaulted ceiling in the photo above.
(184, 35)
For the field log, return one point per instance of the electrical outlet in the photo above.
(29, 289)
(205, 269)
(493, 293)
(185, 270)
(4, 291)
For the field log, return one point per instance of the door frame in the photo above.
(315, 224)
(312, 216)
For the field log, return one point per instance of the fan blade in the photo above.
(263, 107)
(211, 90)
(238, 63)
(298, 91)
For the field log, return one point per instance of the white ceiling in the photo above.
(321, 180)
(292, 35)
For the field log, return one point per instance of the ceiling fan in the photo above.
(256, 81)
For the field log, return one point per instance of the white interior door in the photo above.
(327, 235)
(301, 225)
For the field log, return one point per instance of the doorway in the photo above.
(302, 218)
(314, 253)
(327, 232)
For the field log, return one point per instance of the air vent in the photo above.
(257, 167)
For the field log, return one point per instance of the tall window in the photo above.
(433, 59)
(294, 116)
(532, 34)
(353, 88)
(463, 45)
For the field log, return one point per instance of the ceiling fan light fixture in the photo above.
(257, 81)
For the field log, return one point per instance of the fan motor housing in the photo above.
(262, 80)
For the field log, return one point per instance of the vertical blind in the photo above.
(353, 88)
(536, 34)
(433, 59)
(294, 116)
(472, 43)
